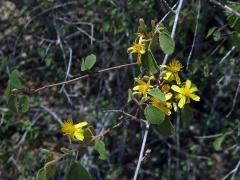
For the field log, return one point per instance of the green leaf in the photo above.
(7, 91)
(100, 147)
(13, 103)
(78, 172)
(235, 40)
(167, 44)
(154, 115)
(187, 114)
(24, 104)
(142, 26)
(218, 142)
(232, 19)
(210, 31)
(15, 80)
(149, 63)
(166, 127)
(217, 35)
(157, 93)
(41, 174)
(90, 61)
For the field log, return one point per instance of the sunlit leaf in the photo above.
(157, 93)
(88, 63)
(167, 44)
(218, 142)
(100, 147)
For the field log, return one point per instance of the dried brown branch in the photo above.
(82, 77)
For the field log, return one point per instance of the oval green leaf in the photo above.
(166, 127)
(90, 60)
(78, 172)
(15, 80)
(24, 104)
(149, 63)
(13, 103)
(167, 44)
(218, 142)
(157, 93)
(100, 147)
(154, 115)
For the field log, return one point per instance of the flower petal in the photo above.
(175, 107)
(79, 135)
(130, 50)
(163, 65)
(194, 97)
(193, 89)
(182, 102)
(140, 82)
(168, 96)
(188, 84)
(177, 78)
(139, 61)
(136, 88)
(81, 124)
(167, 75)
(176, 88)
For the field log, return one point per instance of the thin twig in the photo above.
(234, 100)
(174, 26)
(128, 115)
(223, 59)
(35, 119)
(195, 34)
(55, 116)
(209, 136)
(234, 171)
(168, 6)
(227, 8)
(82, 77)
(140, 159)
(166, 15)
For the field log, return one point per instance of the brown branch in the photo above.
(82, 77)
(128, 115)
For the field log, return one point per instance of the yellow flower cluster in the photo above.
(175, 92)
(74, 131)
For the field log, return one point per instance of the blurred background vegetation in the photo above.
(46, 41)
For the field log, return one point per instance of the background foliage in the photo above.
(46, 41)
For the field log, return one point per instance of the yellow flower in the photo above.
(143, 87)
(186, 93)
(172, 71)
(75, 131)
(164, 106)
(139, 48)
